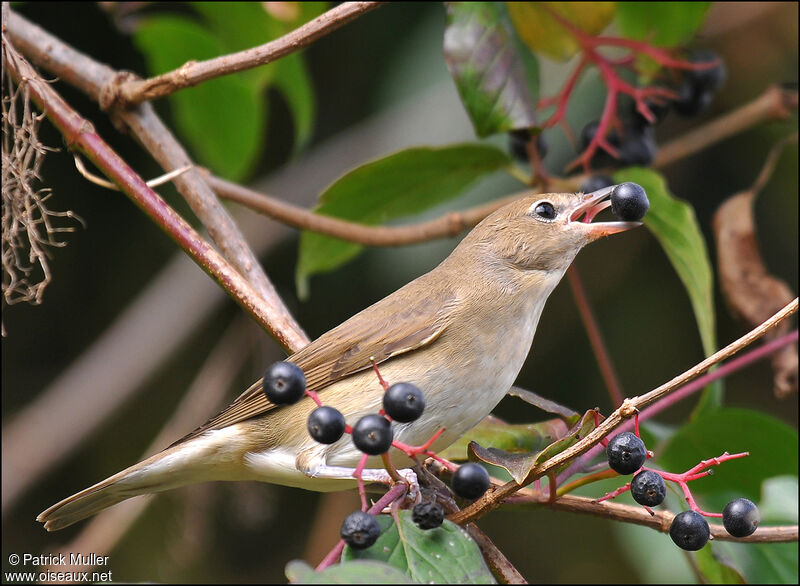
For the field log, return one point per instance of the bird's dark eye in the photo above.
(545, 210)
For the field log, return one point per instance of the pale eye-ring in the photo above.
(544, 210)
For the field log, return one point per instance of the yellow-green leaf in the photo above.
(543, 33)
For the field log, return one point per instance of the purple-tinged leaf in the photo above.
(493, 81)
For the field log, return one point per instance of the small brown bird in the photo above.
(460, 333)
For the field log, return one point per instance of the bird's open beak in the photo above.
(593, 204)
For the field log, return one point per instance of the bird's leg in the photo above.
(363, 474)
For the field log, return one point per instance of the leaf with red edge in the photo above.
(543, 33)
(494, 81)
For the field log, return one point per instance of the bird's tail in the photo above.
(128, 483)
(178, 465)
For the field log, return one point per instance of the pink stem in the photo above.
(391, 495)
(384, 384)
(595, 337)
(564, 95)
(413, 451)
(362, 491)
(685, 391)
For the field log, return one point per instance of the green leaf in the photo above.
(242, 25)
(772, 445)
(762, 563)
(716, 567)
(293, 80)
(222, 119)
(544, 34)
(519, 466)
(519, 437)
(491, 77)
(675, 226)
(401, 184)
(663, 24)
(779, 500)
(445, 555)
(239, 26)
(357, 572)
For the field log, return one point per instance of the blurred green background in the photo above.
(381, 84)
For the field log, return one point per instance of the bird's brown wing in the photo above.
(397, 324)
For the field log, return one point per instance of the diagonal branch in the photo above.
(774, 103)
(80, 135)
(450, 224)
(92, 78)
(493, 499)
(192, 73)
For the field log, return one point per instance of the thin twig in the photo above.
(494, 498)
(194, 72)
(450, 224)
(637, 515)
(595, 337)
(89, 76)
(80, 135)
(498, 563)
(772, 159)
(774, 103)
(97, 180)
(685, 391)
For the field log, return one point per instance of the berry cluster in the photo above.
(284, 383)
(625, 138)
(627, 454)
(632, 141)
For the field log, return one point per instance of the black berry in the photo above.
(689, 530)
(740, 517)
(518, 141)
(595, 182)
(601, 157)
(428, 515)
(403, 402)
(626, 453)
(711, 78)
(284, 383)
(470, 481)
(326, 424)
(697, 89)
(648, 488)
(360, 530)
(373, 435)
(692, 100)
(541, 146)
(639, 146)
(629, 202)
(659, 109)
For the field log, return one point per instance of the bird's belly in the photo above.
(459, 393)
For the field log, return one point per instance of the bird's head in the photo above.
(543, 232)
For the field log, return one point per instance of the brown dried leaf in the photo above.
(519, 466)
(751, 293)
